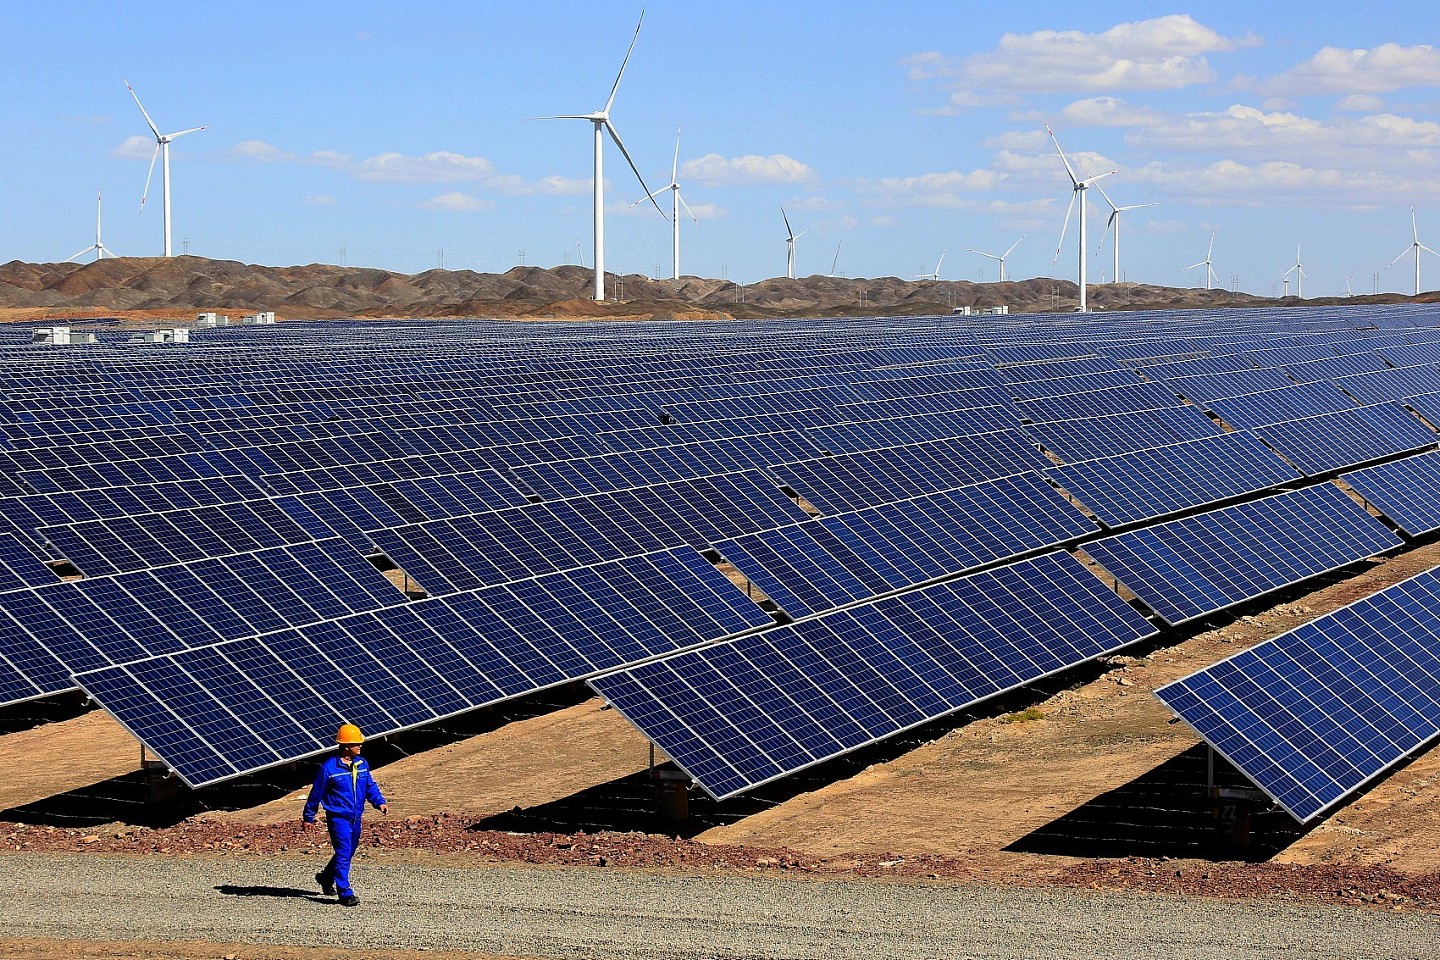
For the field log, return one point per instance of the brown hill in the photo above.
(155, 286)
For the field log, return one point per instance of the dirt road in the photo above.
(512, 911)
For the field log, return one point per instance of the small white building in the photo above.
(251, 319)
(208, 320)
(961, 311)
(62, 336)
(167, 335)
(996, 311)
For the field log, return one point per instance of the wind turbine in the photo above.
(676, 201)
(1114, 221)
(1001, 257)
(936, 274)
(836, 259)
(1299, 272)
(790, 238)
(162, 150)
(1209, 271)
(1079, 188)
(603, 124)
(1416, 246)
(98, 246)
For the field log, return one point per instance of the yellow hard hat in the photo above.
(349, 734)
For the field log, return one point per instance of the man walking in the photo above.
(343, 785)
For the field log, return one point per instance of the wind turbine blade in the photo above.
(1068, 169)
(1402, 254)
(1015, 244)
(153, 157)
(1136, 206)
(619, 143)
(1064, 226)
(1200, 264)
(1102, 176)
(567, 116)
(191, 130)
(1211, 249)
(80, 254)
(787, 223)
(675, 166)
(1109, 222)
(625, 63)
(801, 233)
(1113, 208)
(1427, 250)
(153, 129)
(688, 211)
(1413, 227)
(942, 260)
(649, 196)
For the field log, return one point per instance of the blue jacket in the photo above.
(343, 790)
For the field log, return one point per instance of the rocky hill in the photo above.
(155, 286)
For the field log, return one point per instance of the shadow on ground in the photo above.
(154, 799)
(279, 893)
(1168, 812)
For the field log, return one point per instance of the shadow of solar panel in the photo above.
(244, 705)
(1188, 568)
(1332, 441)
(1163, 480)
(739, 714)
(1315, 714)
(1407, 491)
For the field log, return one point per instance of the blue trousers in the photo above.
(344, 837)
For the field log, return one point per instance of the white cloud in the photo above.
(258, 151)
(1378, 70)
(1378, 139)
(1108, 112)
(320, 200)
(442, 166)
(554, 186)
(1163, 53)
(706, 211)
(933, 184)
(457, 202)
(715, 170)
(135, 148)
(816, 202)
(1359, 103)
(1286, 183)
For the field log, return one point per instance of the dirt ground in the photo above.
(1046, 784)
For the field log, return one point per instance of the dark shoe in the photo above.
(326, 887)
(349, 900)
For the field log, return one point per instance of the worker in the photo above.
(343, 785)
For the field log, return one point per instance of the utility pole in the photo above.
(1376, 279)
(522, 258)
(441, 255)
(343, 251)
(185, 245)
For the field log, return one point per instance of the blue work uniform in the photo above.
(343, 790)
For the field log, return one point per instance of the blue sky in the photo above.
(894, 131)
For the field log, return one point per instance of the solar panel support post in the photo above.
(672, 791)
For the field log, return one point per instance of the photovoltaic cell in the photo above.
(1407, 491)
(1315, 714)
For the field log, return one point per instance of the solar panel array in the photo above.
(219, 512)
(1314, 714)
(1189, 568)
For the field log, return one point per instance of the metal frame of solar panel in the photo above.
(825, 563)
(1346, 438)
(1315, 714)
(240, 707)
(1152, 483)
(739, 714)
(1406, 491)
(1193, 567)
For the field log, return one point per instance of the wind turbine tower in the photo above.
(603, 124)
(1079, 186)
(1416, 246)
(1114, 221)
(790, 237)
(101, 251)
(1000, 257)
(676, 202)
(1209, 271)
(162, 150)
(1299, 272)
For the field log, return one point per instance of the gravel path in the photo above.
(612, 914)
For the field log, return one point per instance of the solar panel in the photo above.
(1163, 480)
(1286, 403)
(1315, 714)
(1346, 438)
(1407, 491)
(19, 567)
(821, 564)
(1095, 403)
(1189, 568)
(855, 480)
(227, 710)
(742, 713)
(1095, 437)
